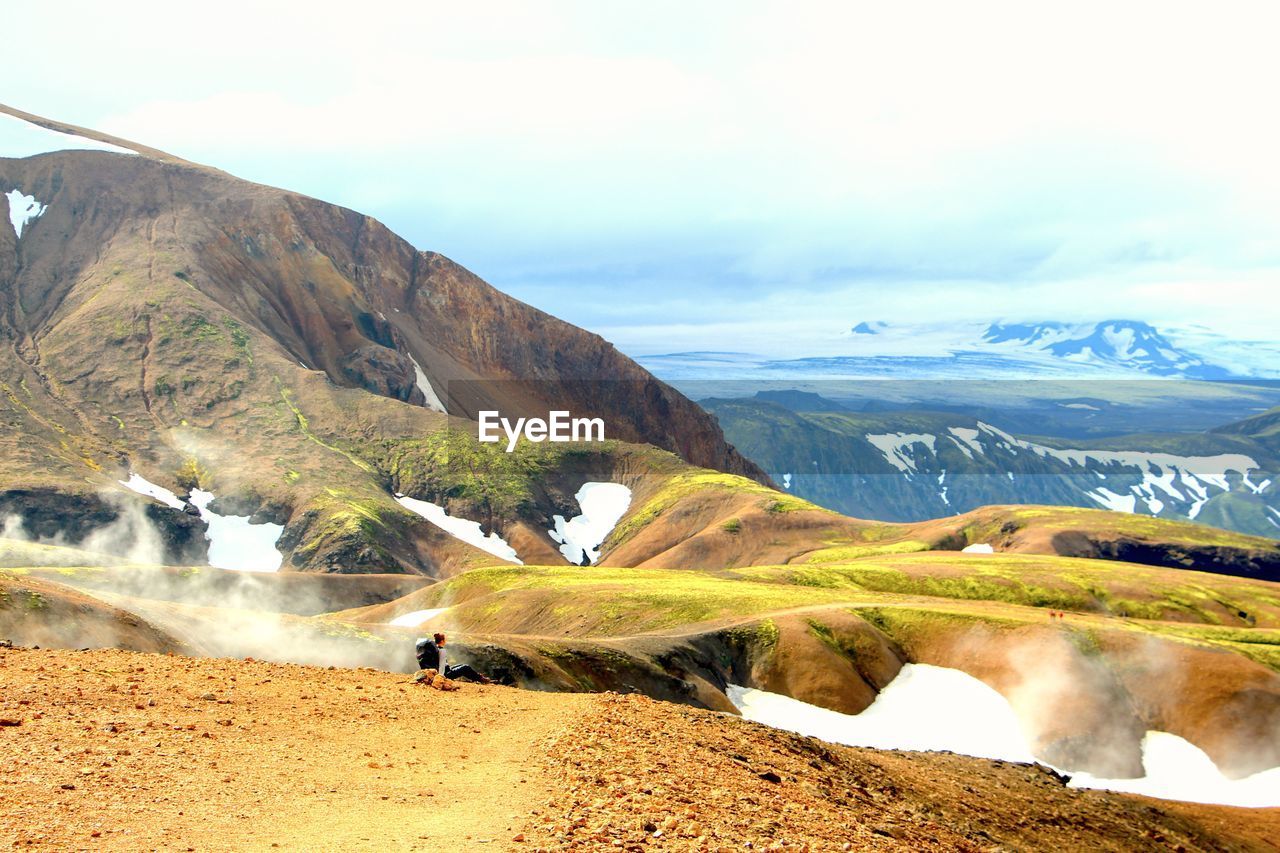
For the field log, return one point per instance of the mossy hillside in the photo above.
(1261, 645)
(1063, 583)
(615, 601)
(1108, 524)
(689, 483)
(855, 646)
(988, 594)
(340, 516)
(452, 464)
(909, 626)
(844, 553)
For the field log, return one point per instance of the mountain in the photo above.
(1106, 349)
(1263, 428)
(912, 466)
(293, 358)
(1124, 344)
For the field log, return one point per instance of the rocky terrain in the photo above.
(114, 750)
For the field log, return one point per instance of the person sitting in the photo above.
(431, 655)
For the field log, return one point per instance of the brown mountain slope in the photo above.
(202, 330)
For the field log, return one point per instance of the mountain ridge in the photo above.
(172, 320)
(1038, 349)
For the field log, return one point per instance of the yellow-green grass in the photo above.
(606, 601)
(16, 553)
(702, 481)
(1261, 645)
(839, 553)
(909, 623)
(1103, 523)
(1066, 583)
(568, 601)
(618, 601)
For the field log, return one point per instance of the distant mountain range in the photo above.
(908, 466)
(1125, 349)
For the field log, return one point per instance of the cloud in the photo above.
(716, 162)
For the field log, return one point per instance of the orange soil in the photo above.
(117, 750)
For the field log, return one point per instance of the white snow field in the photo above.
(234, 543)
(934, 709)
(144, 487)
(433, 399)
(20, 138)
(896, 448)
(1177, 769)
(603, 505)
(926, 708)
(468, 531)
(978, 548)
(1165, 476)
(416, 618)
(23, 209)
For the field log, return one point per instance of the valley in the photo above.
(244, 459)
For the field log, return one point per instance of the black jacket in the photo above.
(428, 654)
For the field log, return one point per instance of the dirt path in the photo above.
(127, 746)
(112, 750)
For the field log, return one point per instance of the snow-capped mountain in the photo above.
(910, 466)
(1051, 349)
(1117, 343)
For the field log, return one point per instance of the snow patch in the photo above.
(936, 709)
(978, 548)
(603, 505)
(416, 618)
(925, 708)
(1256, 488)
(468, 531)
(1112, 501)
(1176, 769)
(424, 385)
(143, 487)
(967, 440)
(896, 447)
(235, 543)
(1182, 478)
(23, 209)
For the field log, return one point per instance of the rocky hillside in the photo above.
(291, 357)
(911, 466)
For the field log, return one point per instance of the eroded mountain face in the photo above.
(286, 354)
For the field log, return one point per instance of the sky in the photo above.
(735, 175)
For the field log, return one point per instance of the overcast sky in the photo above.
(738, 175)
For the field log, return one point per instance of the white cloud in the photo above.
(937, 159)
